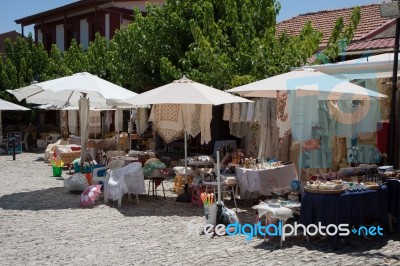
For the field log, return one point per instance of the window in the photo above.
(71, 34)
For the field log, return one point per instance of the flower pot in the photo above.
(210, 212)
(57, 171)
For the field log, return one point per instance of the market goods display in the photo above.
(325, 187)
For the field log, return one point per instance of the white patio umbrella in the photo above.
(8, 106)
(307, 82)
(68, 91)
(185, 92)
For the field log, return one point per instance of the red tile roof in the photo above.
(370, 45)
(12, 35)
(324, 21)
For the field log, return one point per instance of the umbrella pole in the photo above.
(1, 128)
(185, 196)
(219, 203)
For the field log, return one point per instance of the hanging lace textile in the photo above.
(118, 120)
(227, 112)
(282, 115)
(94, 122)
(167, 120)
(73, 122)
(235, 113)
(108, 120)
(205, 120)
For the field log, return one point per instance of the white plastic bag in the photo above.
(76, 182)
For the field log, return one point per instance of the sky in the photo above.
(289, 8)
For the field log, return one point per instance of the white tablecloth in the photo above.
(281, 213)
(265, 181)
(127, 179)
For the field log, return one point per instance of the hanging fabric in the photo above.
(250, 112)
(118, 119)
(235, 113)
(303, 112)
(168, 121)
(269, 135)
(205, 121)
(227, 112)
(73, 122)
(94, 122)
(108, 120)
(191, 118)
(282, 115)
(141, 120)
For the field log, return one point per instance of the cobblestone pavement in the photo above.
(41, 224)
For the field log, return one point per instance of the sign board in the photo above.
(18, 139)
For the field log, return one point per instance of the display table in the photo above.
(127, 159)
(353, 208)
(265, 181)
(272, 212)
(394, 202)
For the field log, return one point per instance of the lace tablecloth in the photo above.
(281, 213)
(265, 181)
(127, 179)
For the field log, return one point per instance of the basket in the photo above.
(324, 191)
(143, 157)
(69, 157)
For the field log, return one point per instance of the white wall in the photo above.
(84, 33)
(125, 22)
(40, 36)
(107, 29)
(60, 36)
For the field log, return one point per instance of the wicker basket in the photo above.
(69, 157)
(143, 157)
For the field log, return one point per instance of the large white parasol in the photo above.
(307, 82)
(68, 91)
(185, 92)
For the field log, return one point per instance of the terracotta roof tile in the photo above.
(371, 45)
(324, 21)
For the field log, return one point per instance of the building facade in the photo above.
(81, 20)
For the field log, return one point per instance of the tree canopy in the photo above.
(219, 43)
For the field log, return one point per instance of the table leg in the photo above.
(390, 217)
(234, 198)
(129, 197)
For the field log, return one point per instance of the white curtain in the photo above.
(141, 120)
(205, 121)
(95, 123)
(118, 119)
(73, 122)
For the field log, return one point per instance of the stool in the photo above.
(157, 178)
(196, 196)
(156, 181)
(179, 182)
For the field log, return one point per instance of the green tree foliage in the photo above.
(76, 58)
(138, 48)
(98, 56)
(219, 43)
(340, 37)
(56, 66)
